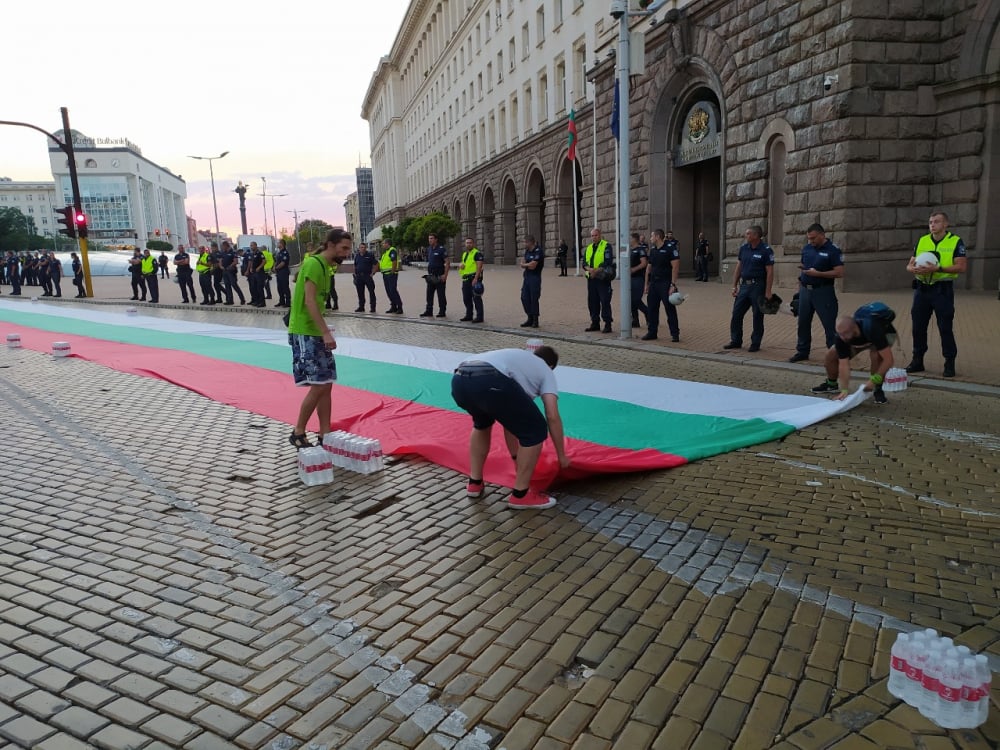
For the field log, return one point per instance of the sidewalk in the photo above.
(704, 320)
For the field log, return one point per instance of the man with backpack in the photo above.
(869, 329)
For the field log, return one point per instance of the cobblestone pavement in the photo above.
(166, 582)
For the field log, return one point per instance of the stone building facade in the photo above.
(863, 115)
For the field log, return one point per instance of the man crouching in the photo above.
(869, 329)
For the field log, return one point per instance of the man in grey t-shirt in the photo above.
(500, 386)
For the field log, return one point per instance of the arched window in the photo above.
(90, 163)
(776, 153)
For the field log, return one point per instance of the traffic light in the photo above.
(67, 217)
(80, 220)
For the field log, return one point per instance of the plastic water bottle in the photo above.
(971, 685)
(985, 678)
(948, 713)
(897, 672)
(928, 704)
(315, 466)
(378, 458)
(331, 443)
(915, 668)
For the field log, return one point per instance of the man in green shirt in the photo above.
(311, 338)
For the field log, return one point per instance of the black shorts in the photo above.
(490, 396)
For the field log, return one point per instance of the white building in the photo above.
(465, 82)
(36, 200)
(127, 198)
(353, 217)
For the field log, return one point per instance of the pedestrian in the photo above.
(43, 274)
(701, 258)
(55, 274)
(311, 339)
(436, 277)
(256, 275)
(501, 386)
(934, 291)
(204, 267)
(164, 268)
(231, 269)
(869, 329)
(661, 281)
(14, 272)
(78, 275)
(364, 277)
(598, 265)
(282, 274)
(638, 259)
(531, 283)
(138, 280)
(752, 280)
(822, 262)
(148, 266)
(471, 272)
(388, 266)
(561, 255)
(184, 273)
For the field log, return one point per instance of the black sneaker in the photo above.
(949, 368)
(916, 365)
(732, 345)
(827, 387)
(879, 395)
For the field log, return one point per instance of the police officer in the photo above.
(934, 291)
(822, 262)
(14, 273)
(598, 259)
(388, 266)
(364, 277)
(78, 275)
(752, 280)
(531, 285)
(282, 274)
(701, 258)
(42, 273)
(638, 259)
(138, 282)
(55, 274)
(268, 267)
(437, 276)
(256, 275)
(185, 276)
(164, 263)
(660, 283)
(230, 271)
(562, 254)
(204, 267)
(471, 271)
(148, 266)
(218, 275)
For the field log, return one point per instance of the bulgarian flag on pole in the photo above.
(571, 154)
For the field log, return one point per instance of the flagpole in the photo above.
(593, 161)
(619, 10)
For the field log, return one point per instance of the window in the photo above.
(502, 135)
(479, 85)
(513, 119)
(511, 52)
(561, 98)
(528, 121)
(579, 67)
(557, 13)
(500, 66)
(498, 15)
(525, 41)
(543, 98)
(489, 76)
(540, 24)
(776, 191)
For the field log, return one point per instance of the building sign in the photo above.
(82, 141)
(700, 138)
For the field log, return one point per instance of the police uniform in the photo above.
(204, 268)
(78, 277)
(817, 295)
(934, 294)
(388, 265)
(43, 276)
(469, 271)
(701, 260)
(218, 275)
(638, 281)
(230, 271)
(661, 285)
(138, 281)
(185, 276)
(364, 279)
(437, 262)
(55, 274)
(282, 274)
(14, 274)
(149, 269)
(750, 293)
(599, 290)
(268, 267)
(531, 285)
(255, 276)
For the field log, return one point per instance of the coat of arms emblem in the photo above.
(698, 125)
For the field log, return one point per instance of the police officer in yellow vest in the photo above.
(204, 268)
(268, 267)
(149, 271)
(388, 266)
(471, 273)
(598, 260)
(934, 291)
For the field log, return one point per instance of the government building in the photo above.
(862, 116)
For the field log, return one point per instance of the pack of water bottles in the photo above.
(315, 466)
(948, 684)
(354, 452)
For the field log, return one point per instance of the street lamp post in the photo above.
(298, 243)
(274, 221)
(211, 174)
(263, 199)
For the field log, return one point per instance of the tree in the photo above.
(313, 231)
(439, 224)
(158, 246)
(17, 231)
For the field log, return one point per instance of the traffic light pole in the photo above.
(67, 148)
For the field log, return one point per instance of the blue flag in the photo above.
(614, 113)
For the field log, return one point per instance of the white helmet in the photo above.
(676, 298)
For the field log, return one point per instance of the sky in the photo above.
(279, 85)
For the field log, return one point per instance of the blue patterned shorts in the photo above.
(312, 362)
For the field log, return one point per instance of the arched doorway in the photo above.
(508, 224)
(568, 226)
(534, 206)
(489, 226)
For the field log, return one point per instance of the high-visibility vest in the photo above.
(203, 265)
(268, 260)
(594, 257)
(385, 262)
(469, 262)
(946, 252)
(148, 264)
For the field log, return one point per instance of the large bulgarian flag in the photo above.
(614, 422)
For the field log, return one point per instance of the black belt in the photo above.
(817, 284)
(935, 283)
(473, 369)
(751, 281)
(469, 276)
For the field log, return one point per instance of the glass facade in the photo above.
(366, 201)
(105, 201)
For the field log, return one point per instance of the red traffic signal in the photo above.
(67, 217)
(80, 221)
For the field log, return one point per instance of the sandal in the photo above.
(299, 441)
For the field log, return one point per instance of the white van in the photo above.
(264, 241)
